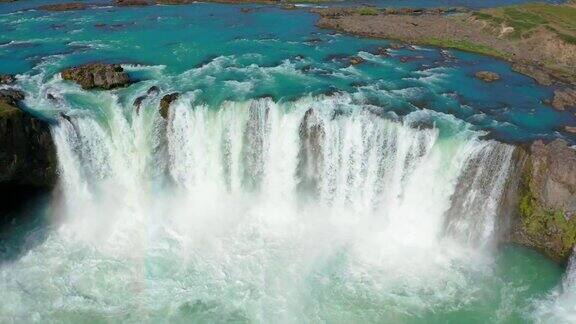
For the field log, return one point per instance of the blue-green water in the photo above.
(222, 214)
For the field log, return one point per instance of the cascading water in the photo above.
(259, 211)
(560, 305)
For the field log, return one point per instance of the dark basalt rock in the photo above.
(487, 76)
(138, 102)
(382, 51)
(64, 6)
(7, 79)
(11, 97)
(27, 152)
(97, 76)
(153, 91)
(165, 103)
(311, 135)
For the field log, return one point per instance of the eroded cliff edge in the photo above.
(28, 161)
(539, 201)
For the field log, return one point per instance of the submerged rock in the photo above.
(487, 76)
(97, 76)
(564, 98)
(355, 60)
(540, 198)
(165, 103)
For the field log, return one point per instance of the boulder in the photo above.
(165, 103)
(7, 79)
(564, 98)
(153, 91)
(97, 76)
(355, 60)
(487, 76)
(64, 6)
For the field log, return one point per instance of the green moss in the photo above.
(367, 11)
(465, 46)
(7, 110)
(544, 223)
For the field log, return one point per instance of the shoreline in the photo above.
(540, 52)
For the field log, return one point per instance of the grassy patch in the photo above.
(528, 17)
(367, 11)
(465, 46)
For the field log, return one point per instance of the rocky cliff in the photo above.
(539, 203)
(27, 153)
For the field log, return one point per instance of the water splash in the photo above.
(259, 211)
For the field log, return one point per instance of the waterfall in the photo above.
(254, 208)
(560, 305)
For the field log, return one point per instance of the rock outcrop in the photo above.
(539, 202)
(7, 79)
(64, 6)
(27, 152)
(97, 76)
(487, 76)
(355, 60)
(165, 103)
(564, 98)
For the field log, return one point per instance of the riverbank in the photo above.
(538, 39)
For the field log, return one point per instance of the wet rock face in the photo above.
(165, 103)
(11, 97)
(487, 76)
(27, 152)
(542, 192)
(7, 79)
(564, 98)
(554, 174)
(312, 136)
(355, 60)
(97, 76)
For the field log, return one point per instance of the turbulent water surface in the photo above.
(285, 186)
